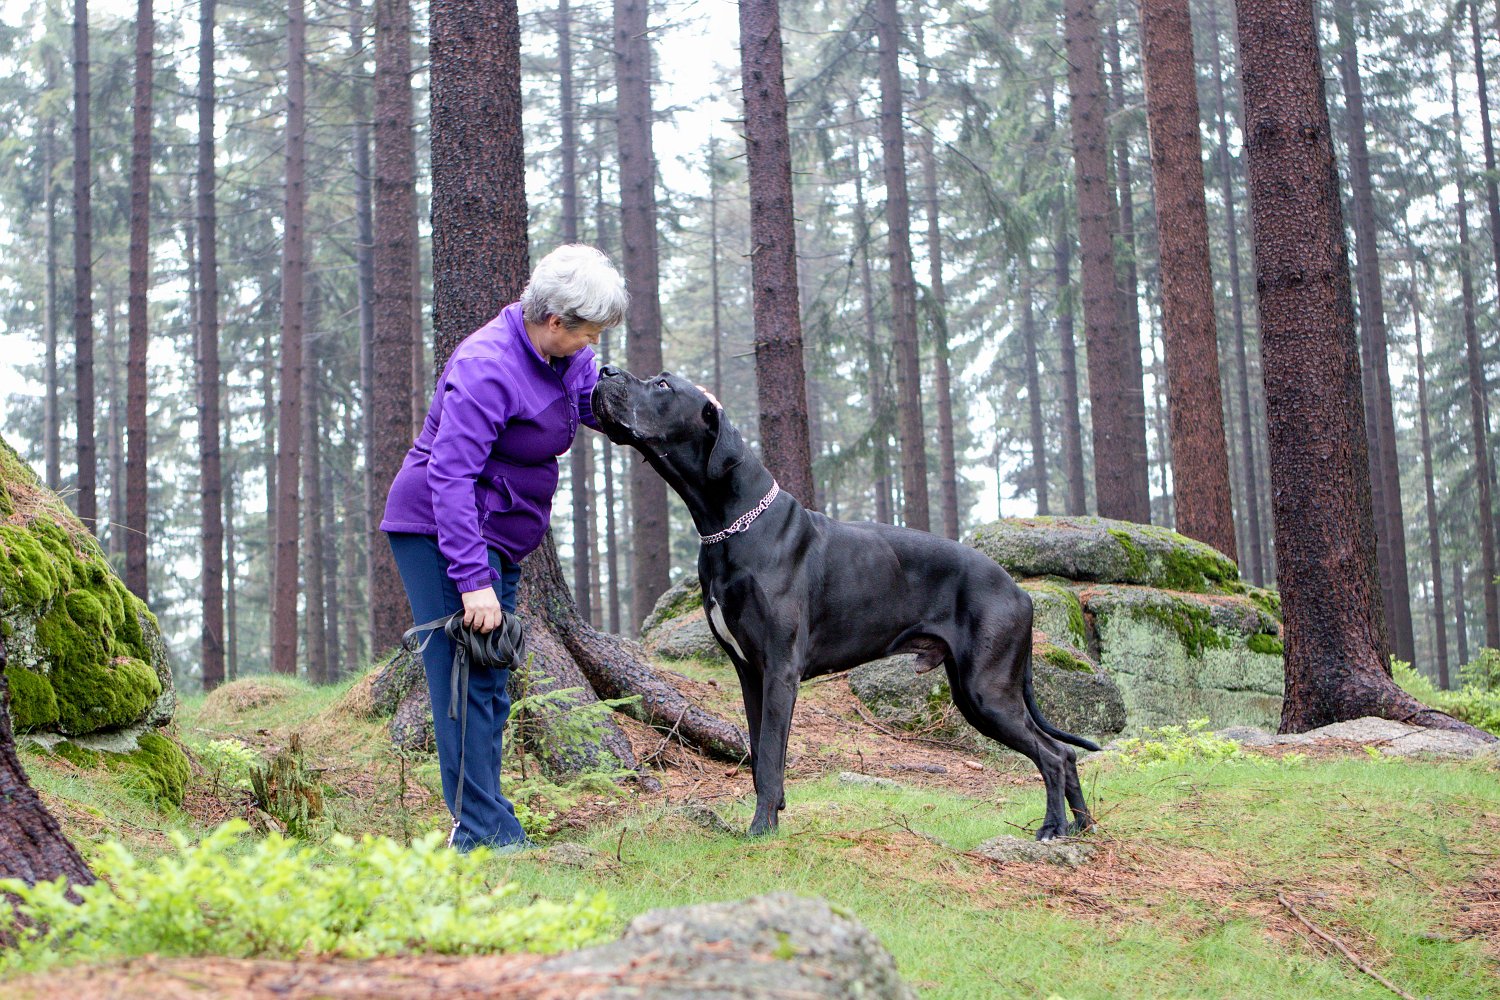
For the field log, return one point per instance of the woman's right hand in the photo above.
(482, 609)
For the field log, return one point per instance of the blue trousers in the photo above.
(488, 817)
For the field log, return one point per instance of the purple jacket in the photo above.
(484, 468)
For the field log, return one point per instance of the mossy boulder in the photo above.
(154, 766)
(679, 599)
(1102, 550)
(677, 627)
(85, 654)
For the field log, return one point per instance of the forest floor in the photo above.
(1235, 878)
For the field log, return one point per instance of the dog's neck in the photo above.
(715, 504)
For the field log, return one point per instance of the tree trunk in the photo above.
(312, 491)
(607, 448)
(32, 845)
(140, 278)
(51, 424)
(1033, 389)
(1325, 533)
(875, 367)
(83, 276)
(1250, 472)
(1460, 613)
(1118, 405)
(335, 554)
(389, 402)
(781, 388)
(1126, 267)
(903, 285)
(231, 641)
(114, 434)
(1384, 470)
(1200, 461)
(947, 460)
(637, 170)
(1478, 400)
(210, 471)
(1067, 368)
(268, 447)
(1434, 550)
(364, 258)
(289, 409)
(713, 263)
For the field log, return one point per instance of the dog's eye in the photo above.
(663, 383)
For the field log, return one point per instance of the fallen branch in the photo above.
(907, 737)
(1359, 963)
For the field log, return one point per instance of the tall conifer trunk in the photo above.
(140, 278)
(389, 403)
(648, 492)
(1434, 550)
(289, 406)
(915, 513)
(313, 539)
(1325, 532)
(1063, 309)
(1118, 404)
(1381, 432)
(1033, 389)
(781, 388)
(372, 495)
(210, 469)
(1460, 612)
(1199, 454)
(874, 362)
(51, 424)
(87, 503)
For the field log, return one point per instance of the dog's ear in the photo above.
(728, 449)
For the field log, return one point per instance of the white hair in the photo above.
(577, 284)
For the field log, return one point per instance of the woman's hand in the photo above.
(482, 609)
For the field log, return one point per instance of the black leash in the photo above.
(502, 648)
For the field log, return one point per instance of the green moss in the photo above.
(1138, 564)
(77, 755)
(94, 695)
(30, 576)
(1063, 659)
(1261, 642)
(161, 766)
(1192, 623)
(33, 703)
(1268, 601)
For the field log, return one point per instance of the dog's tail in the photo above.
(1036, 714)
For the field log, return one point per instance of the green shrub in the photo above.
(1179, 745)
(276, 898)
(1473, 703)
(228, 763)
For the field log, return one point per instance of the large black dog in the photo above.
(791, 594)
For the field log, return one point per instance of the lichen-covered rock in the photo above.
(1084, 702)
(1106, 551)
(1179, 657)
(1056, 612)
(686, 637)
(680, 598)
(778, 945)
(158, 767)
(85, 654)
(1064, 853)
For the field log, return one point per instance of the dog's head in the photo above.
(680, 429)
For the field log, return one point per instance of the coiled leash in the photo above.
(501, 648)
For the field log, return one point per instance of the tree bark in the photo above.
(51, 424)
(1460, 613)
(315, 627)
(1033, 389)
(1126, 267)
(1385, 467)
(1325, 533)
(1434, 550)
(1250, 471)
(1200, 460)
(637, 170)
(1067, 368)
(947, 460)
(289, 409)
(389, 402)
(83, 276)
(140, 279)
(1118, 404)
(607, 449)
(210, 468)
(364, 258)
(875, 367)
(114, 432)
(781, 388)
(582, 461)
(231, 641)
(32, 845)
(915, 512)
(1478, 400)
(713, 264)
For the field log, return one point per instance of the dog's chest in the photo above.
(721, 628)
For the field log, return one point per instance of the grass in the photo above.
(1181, 903)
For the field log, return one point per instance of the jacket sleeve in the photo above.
(586, 393)
(478, 398)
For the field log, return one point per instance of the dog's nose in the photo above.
(608, 371)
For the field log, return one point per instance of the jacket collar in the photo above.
(516, 323)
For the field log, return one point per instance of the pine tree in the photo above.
(210, 471)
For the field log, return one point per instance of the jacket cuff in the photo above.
(586, 410)
(478, 582)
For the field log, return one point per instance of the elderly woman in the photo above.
(474, 496)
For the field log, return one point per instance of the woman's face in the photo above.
(556, 340)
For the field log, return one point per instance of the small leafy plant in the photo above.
(278, 898)
(1477, 702)
(1179, 745)
(227, 763)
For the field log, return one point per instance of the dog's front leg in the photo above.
(779, 697)
(751, 682)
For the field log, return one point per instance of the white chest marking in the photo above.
(716, 616)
